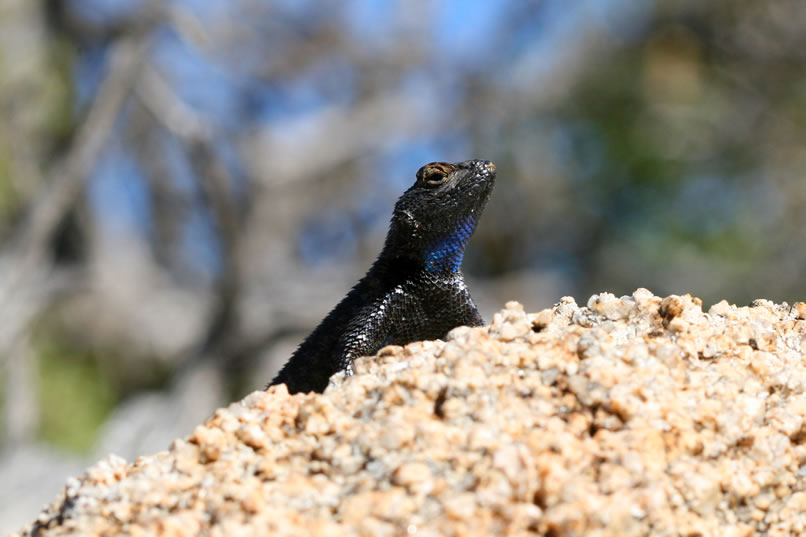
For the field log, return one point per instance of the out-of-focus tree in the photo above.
(688, 147)
(187, 186)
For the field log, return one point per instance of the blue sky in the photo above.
(463, 37)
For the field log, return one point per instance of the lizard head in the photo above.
(434, 219)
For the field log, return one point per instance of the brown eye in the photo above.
(434, 174)
(435, 178)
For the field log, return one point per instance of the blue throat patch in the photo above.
(446, 253)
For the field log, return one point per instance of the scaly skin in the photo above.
(415, 290)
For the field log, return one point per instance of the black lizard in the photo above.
(415, 289)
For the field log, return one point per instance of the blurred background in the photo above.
(188, 186)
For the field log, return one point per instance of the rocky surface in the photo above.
(633, 416)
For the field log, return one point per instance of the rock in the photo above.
(637, 415)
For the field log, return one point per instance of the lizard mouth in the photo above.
(480, 175)
(482, 171)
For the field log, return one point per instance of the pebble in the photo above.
(638, 415)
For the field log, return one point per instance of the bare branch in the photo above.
(25, 260)
(196, 134)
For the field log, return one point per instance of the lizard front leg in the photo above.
(368, 331)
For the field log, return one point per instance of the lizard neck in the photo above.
(439, 253)
(436, 253)
(445, 253)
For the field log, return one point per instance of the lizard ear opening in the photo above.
(434, 174)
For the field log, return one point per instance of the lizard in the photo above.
(415, 289)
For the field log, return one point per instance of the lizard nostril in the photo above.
(485, 166)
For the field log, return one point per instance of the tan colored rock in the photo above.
(632, 416)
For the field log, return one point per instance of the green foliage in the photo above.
(59, 95)
(75, 397)
(8, 198)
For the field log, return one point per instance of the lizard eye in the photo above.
(434, 174)
(434, 178)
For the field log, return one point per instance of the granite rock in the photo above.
(631, 416)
